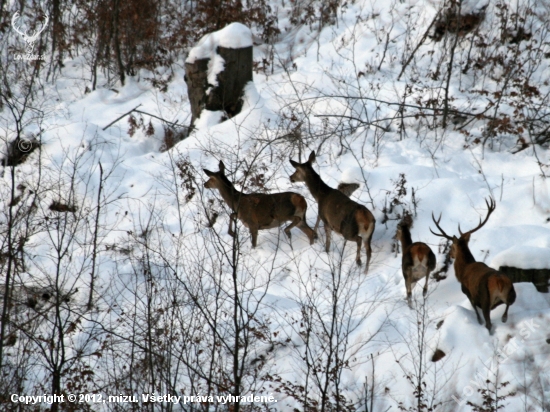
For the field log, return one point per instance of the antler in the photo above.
(24, 34)
(490, 208)
(13, 19)
(442, 234)
(35, 36)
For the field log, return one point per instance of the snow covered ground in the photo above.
(421, 167)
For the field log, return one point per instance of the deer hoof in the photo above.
(358, 261)
(504, 318)
(424, 292)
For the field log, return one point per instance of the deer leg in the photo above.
(254, 234)
(505, 316)
(328, 232)
(358, 240)
(295, 221)
(369, 252)
(487, 315)
(232, 219)
(467, 293)
(408, 285)
(317, 223)
(425, 290)
(477, 314)
(310, 233)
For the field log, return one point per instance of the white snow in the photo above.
(524, 257)
(233, 36)
(450, 174)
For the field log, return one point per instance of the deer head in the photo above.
(216, 178)
(464, 237)
(302, 168)
(404, 225)
(29, 39)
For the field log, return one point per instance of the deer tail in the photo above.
(365, 222)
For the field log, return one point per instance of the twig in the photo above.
(160, 118)
(96, 230)
(354, 118)
(501, 186)
(418, 45)
(145, 113)
(118, 118)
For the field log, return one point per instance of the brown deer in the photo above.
(418, 259)
(345, 188)
(337, 211)
(484, 286)
(258, 211)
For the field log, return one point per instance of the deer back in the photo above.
(340, 212)
(420, 253)
(337, 210)
(487, 286)
(270, 210)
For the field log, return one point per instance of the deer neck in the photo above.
(406, 239)
(316, 186)
(230, 195)
(463, 257)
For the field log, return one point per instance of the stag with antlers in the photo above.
(485, 287)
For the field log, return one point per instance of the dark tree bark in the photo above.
(227, 95)
(539, 277)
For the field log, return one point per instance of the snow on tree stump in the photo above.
(217, 71)
(525, 264)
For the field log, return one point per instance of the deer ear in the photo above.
(208, 172)
(466, 237)
(293, 163)
(222, 167)
(311, 157)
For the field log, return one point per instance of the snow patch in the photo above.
(523, 257)
(233, 36)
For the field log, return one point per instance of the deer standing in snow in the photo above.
(337, 211)
(418, 259)
(259, 211)
(485, 287)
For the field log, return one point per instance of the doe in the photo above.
(259, 211)
(418, 259)
(337, 211)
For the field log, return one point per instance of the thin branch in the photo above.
(420, 43)
(118, 118)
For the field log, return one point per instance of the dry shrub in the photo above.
(453, 21)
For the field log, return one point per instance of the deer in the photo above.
(337, 211)
(258, 211)
(345, 188)
(484, 286)
(418, 259)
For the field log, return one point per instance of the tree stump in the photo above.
(214, 88)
